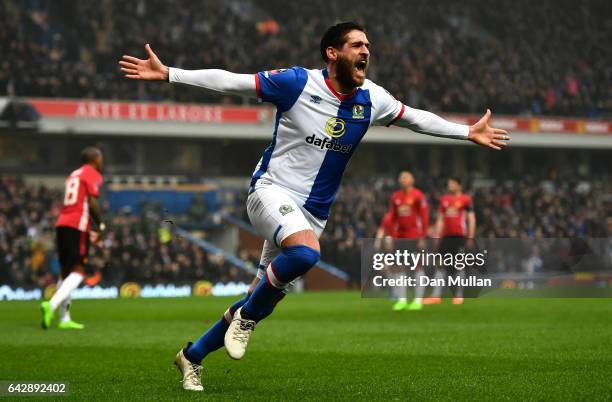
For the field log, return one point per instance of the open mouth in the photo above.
(361, 65)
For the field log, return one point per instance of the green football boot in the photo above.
(415, 306)
(47, 314)
(400, 305)
(70, 325)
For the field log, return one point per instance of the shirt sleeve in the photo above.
(281, 87)
(424, 122)
(92, 182)
(392, 210)
(386, 110)
(214, 80)
(441, 206)
(424, 210)
(385, 222)
(468, 203)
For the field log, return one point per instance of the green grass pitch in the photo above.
(323, 346)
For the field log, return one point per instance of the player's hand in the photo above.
(483, 134)
(151, 69)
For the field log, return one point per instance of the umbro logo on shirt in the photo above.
(316, 99)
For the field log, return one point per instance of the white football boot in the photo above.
(191, 372)
(237, 335)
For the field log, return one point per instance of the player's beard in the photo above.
(344, 73)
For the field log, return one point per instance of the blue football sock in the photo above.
(267, 296)
(291, 263)
(212, 339)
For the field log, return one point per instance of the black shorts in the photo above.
(72, 248)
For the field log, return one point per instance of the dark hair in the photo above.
(89, 154)
(335, 36)
(456, 179)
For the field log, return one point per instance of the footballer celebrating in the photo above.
(409, 216)
(456, 227)
(73, 234)
(321, 117)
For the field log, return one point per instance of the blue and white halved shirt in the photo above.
(316, 131)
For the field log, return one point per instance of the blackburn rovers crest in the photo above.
(358, 112)
(285, 209)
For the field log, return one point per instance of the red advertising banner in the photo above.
(197, 113)
(141, 111)
(542, 124)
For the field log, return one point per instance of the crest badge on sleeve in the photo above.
(269, 73)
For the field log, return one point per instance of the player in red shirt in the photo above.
(386, 228)
(456, 226)
(409, 216)
(74, 235)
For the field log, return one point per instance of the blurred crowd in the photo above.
(139, 248)
(143, 247)
(539, 58)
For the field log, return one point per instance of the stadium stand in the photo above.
(497, 54)
(138, 247)
(141, 248)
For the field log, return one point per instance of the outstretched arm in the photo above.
(439, 225)
(471, 218)
(428, 123)
(152, 69)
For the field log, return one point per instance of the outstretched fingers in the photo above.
(499, 144)
(128, 64)
(132, 59)
(129, 71)
(501, 137)
(129, 67)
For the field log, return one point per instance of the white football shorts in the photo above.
(276, 214)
